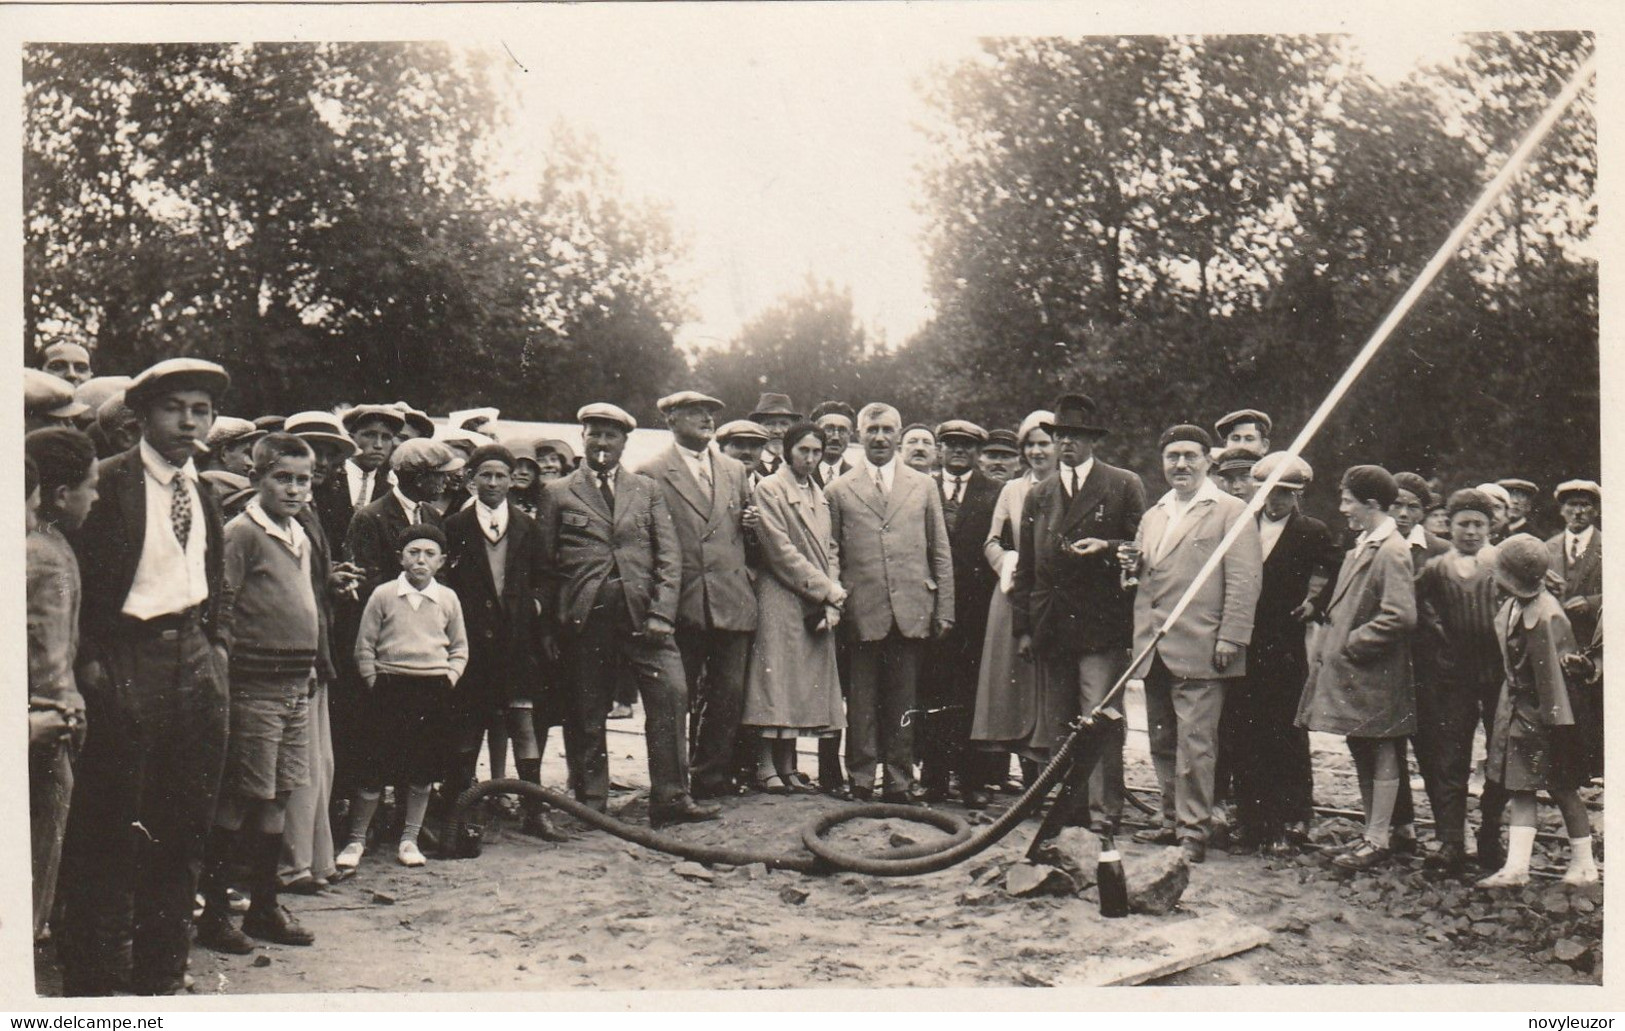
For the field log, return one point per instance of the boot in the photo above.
(266, 918)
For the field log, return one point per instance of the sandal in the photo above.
(798, 783)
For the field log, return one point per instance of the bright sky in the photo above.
(796, 153)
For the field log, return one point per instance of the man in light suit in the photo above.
(612, 571)
(897, 568)
(708, 495)
(1185, 674)
(1069, 608)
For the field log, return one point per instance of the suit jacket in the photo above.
(321, 564)
(583, 543)
(1221, 611)
(716, 592)
(974, 580)
(1435, 546)
(332, 500)
(1583, 580)
(1277, 656)
(370, 542)
(840, 470)
(1361, 682)
(502, 629)
(108, 546)
(1073, 605)
(896, 564)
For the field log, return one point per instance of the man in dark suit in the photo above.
(708, 496)
(1272, 782)
(1415, 498)
(152, 669)
(495, 566)
(1521, 509)
(613, 573)
(775, 414)
(1576, 577)
(952, 665)
(1069, 607)
(363, 477)
(837, 420)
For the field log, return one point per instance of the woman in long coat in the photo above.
(793, 689)
(1360, 680)
(1008, 714)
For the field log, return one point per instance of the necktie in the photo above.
(1574, 550)
(180, 508)
(1067, 486)
(495, 532)
(706, 486)
(606, 490)
(880, 483)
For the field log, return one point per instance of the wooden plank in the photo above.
(1164, 949)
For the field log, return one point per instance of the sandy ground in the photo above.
(599, 913)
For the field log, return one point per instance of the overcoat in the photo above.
(1360, 680)
(896, 564)
(1534, 745)
(793, 681)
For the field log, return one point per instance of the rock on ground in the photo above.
(1156, 882)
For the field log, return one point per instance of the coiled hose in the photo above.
(820, 857)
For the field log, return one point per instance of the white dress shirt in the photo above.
(1576, 543)
(493, 521)
(953, 487)
(1418, 537)
(699, 466)
(360, 482)
(415, 598)
(1270, 530)
(291, 536)
(886, 472)
(1177, 511)
(1079, 475)
(407, 504)
(1380, 532)
(168, 580)
(829, 471)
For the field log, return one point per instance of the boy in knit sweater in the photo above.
(270, 621)
(411, 650)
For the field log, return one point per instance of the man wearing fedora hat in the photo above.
(152, 668)
(1070, 610)
(708, 495)
(612, 576)
(775, 414)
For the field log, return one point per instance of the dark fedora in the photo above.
(1075, 412)
(773, 404)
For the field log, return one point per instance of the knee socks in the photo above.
(266, 851)
(1520, 846)
(1383, 794)
(417, 804)
(361, 813)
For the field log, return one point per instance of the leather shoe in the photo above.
(216, 931)
(1159, 836)
(276, 924)
(684, 810)
(1363, 856)
(842, 791)
(1449, 861)
(541, 825)
(306, 886)
(1194, 851)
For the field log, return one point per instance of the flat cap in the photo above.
(840, 408)
(228, 430)
(1512, 483)
(683, 398)
(97, 389)
(458, 437)
(1184, 432)
(603, 411)
(319, 426)
(1002, 442)
(419, 421)
(45, 394)
(1496, 491)
(270, 423)
(225, 481)
(741, 428)
(962, 428)
(362, 413)
(176, 374)
(1236, 460)
(1222, 427)
(478, 416)
(1296, 476)
(1568, 487)
(420, 455)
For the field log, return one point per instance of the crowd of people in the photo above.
(262, 649)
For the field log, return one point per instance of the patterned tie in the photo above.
(180, 508)
(1574, 551)
(880, 483)
(607, 491)
(706, 486)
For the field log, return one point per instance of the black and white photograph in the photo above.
(696, 498)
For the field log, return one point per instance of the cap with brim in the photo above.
(774, 405)
(112, 412)
(741, 429)
(317, 426)
(1521, 562)
(270, 423)
(1077, 412)
(1588, 487)
(224, 480)
(603, 411)
(962, 429)
(1520, 485)
(362, 413)
(1001, 442)
(684, 398)
(840, 408)
(460, 419)
(45, 394)
(458, 437)
(419, 422)
(1496, 491)
(228, 431)
(1224, 425)
(420, 454)
(561, 448)
(174, 374)
(1297, 476)
(1236, 460)
(94, 391)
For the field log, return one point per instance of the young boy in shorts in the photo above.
(270, 619)
(411, 650)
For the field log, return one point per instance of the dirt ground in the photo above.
(599, 913)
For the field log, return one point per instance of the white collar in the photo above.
(694, 456)
(1208, 491)
(159, 468)
(1583, 537)
(1418, 537)
(404, 589)
(406, 503)
(1080, 471)
(1379, 533)
(292, 535)
(885, 469)
(489, 516)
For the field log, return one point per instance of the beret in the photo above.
(603, 411)
(1470, 500)
(1414, 483)
(420, 531)
(491, 453)
(1371, 483)
(1184, 432)
(688, 397)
